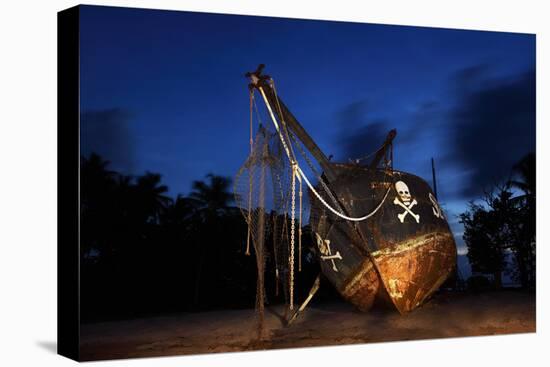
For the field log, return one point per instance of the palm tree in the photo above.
(181, 218)
(526, 170)
(150, 192)
(212, 199)
(96, 192)
(95, 178)
(95, 164)
(181, 210)
(524, 248)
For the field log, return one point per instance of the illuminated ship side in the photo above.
(380, 233)
(402, 253)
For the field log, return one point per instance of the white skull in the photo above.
(403, 192)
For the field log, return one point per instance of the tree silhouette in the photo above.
(182, 212)
(212, 200)
(524, 246)
(143, 252)
(150, 194)
(527, 180)
(485, 237)
(505, 224)
(95, 170)
(97, 188)
(214, 197)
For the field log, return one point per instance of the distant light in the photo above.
(461, 250)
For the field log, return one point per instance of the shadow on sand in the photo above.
(50, 346)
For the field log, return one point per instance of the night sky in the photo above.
(164, 92)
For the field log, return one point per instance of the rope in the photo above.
(283, 141)
(357, 160)
(282, 120)
(251, 120)
(343, 216)
(247, 252)
(339, 211)
(257, 111)
(302, 175)
(315, 172)
(275, 232)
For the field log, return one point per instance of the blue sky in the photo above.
(164, 91)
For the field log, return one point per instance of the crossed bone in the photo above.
(326, 243)
(407, 211)
(330, 256)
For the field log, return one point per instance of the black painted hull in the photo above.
(402, 254)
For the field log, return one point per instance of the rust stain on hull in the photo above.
(401, 254)
(410, 272)
(362, 287)
(416, 268)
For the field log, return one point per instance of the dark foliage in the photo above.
(144, 253)
(505, 224)
(478, 283)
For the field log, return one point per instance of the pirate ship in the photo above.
(380, 233)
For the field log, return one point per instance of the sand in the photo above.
(445, 315)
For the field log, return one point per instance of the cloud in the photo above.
(476, 132)
(361, 134)
(107, 133)
(366, 139)
(491, 127)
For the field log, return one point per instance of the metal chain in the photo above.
(292, 230)
(339, 211)
(300, 230)
(291, 136)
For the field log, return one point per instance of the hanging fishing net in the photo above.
(269, 193)
(360, 215)
(269, 190)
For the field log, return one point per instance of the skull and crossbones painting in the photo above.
(326, 253)
(404, 201)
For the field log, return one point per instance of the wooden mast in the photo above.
(258, 80)
(382, 151)
(433, 179)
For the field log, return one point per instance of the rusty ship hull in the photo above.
(399, 255)
(402, 252)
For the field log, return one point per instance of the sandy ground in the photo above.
(446, 315)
